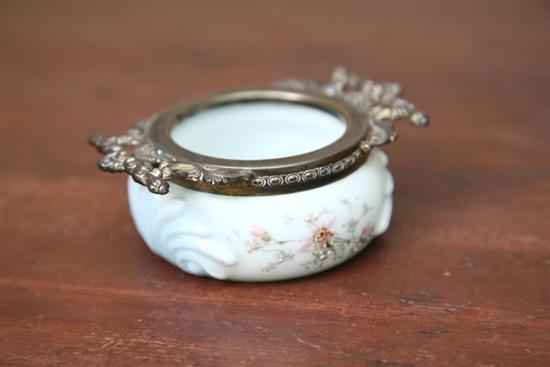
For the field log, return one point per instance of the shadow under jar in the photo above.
(263, 184)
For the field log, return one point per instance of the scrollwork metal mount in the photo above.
(133, 153)
(379, 102)
(374, 106)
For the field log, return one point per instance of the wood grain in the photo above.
(462, 278)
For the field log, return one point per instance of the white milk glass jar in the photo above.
(263, 184)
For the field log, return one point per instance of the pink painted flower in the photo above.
(257, 231)
(319, 238)
(365, 232)
(260, 233)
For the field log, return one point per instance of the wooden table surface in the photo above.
(462, 277)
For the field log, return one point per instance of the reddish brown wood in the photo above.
(462, 278)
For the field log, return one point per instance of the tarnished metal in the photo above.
(150, 156)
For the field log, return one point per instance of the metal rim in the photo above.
(280, 174)
(162, 127)
(152, 158)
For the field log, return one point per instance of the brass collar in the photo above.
(148, 153)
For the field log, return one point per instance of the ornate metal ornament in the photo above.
(150, 156)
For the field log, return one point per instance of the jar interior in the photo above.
(257, 130)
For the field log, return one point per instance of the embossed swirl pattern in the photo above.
(307, 175)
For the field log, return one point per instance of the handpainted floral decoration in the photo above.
(322, 243)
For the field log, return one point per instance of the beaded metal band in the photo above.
(150, 156)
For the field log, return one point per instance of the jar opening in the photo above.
(256, 130)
